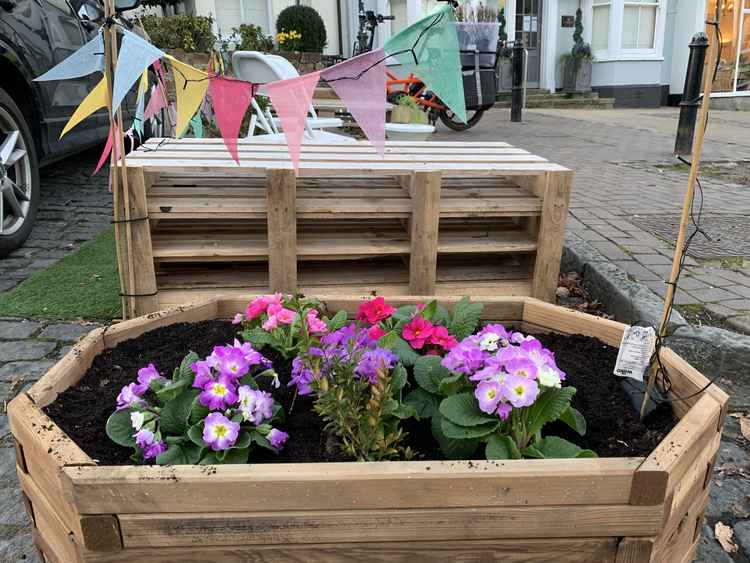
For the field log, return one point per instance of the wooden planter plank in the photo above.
(346, 486)
(572, 322)
(634, 550)
(499, 551)
(424, 233)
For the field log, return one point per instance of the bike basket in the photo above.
(473, 37)
(480, 88)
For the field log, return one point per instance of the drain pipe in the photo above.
(691, 95)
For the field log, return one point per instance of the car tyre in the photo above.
(19, 165)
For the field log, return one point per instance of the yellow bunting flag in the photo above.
(98, 98)
(191, 85)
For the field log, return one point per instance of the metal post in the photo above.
(691, 95)
(516, 97)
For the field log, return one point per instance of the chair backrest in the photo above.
(286, 68)
(255, 66)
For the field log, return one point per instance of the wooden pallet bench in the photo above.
(430, 218)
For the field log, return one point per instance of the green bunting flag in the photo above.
(435, 44)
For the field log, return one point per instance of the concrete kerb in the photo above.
(721, 353)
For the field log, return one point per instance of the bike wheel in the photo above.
(451, 121)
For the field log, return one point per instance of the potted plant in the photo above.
(301, 37)
(450, 425)
(577, 65)
(409, 121)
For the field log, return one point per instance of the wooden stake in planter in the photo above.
(687, 204)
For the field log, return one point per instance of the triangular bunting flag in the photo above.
(438, 60)
(291, 99)
(230, 99)
(106, 151)
(141, 104)
(156, 102)
(196, 124)
(135, 56)
(87, 59)
(190, 88)
(361, 85)
(95, 100)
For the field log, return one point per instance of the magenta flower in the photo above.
(277, 438)
(314, 324)
(520, 391)
(253, 357)
(130, 396)
(417, 332)
(520, 367)
(203, 374)
(256, 406)
(488, 393)
(375, 332)
(374, 310)
(218, 395)
(220, 433)
(441, 337)
(146, 376)
(259, 305)
(503, 411)
(507, 354)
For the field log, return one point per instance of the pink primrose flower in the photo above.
(314, 324)
(417, 332)
(374, 310)
(375, 332)
(520, 391)
(441, 337)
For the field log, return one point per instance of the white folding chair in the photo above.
(258, 67)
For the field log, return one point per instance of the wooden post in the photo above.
(425, 220)
(635, 550)
(281, 193)
(141, 253)
(555, 194)
(687, 205)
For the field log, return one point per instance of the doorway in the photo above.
(529, 30)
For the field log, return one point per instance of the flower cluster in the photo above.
(286, 36)
(509, 369)
(349, 345)
(132, 394)
(420, 332)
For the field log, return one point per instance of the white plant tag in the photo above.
(636, 348)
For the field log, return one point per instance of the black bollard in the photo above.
(690, 102)
(516, 97)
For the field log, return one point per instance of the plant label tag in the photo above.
(636, 348)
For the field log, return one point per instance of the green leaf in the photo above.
(501, 446)
(429, 310)
(429, 373)
(463, 409)
(457, 432)
(425, 404)
(172, 389)
(237, 455)
(195, 433)
(184, 371)
(554, 447)
(388, 340)
(404, 351)
(185, 453)
(278, 414)
(404, 313)
(176, 413)
(532, 452)
(257, 337)
(261, 440)
(574, 419)
(210, 458)
(466, 317)
(249, 380)
(398, 378)
(389, 406)
(337, 321)
(451, 448)
(548, 407)
(452, 384)
(405, 411)
(120, 429)
(441, 316)
(197, 412)
(243, 440)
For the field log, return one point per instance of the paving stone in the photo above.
(683, 298)
(25, 349)
(739, 290)
(739, 305)
(713, 280)
(637, 270)
(714, 294)
(735, 277)
(68, 332)
(30, 371)
(740, 323)
(709, 550)
(653, 259)
(18, 329)
(720, 310)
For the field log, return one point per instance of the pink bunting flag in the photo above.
(230, 99)
(291, 99)
(360, 82)
(106, 151)
(156, 102)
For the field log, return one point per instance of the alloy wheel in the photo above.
(15, 176)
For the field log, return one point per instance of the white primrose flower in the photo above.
(489, 342)
(136, 419)
(548, 376)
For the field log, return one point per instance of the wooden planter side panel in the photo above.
(594, 550)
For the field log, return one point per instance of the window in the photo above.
(639, 24)
(600, 27)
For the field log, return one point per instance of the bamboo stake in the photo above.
(687, 204)
(118, 169)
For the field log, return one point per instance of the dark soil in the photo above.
(82, 411)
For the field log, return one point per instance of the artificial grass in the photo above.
(83, 285)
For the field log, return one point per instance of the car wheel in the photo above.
(19, 176)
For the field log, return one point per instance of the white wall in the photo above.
(564, 35)
(688, 21)
(624, 73)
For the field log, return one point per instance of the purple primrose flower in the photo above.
(256, 406)
(488, 393)
(277, 438)
(130, 396)
(146, 376)
(372, 360)
(520, 391)
(218, 395)
(220, 433)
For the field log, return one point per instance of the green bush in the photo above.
(193, 34)
(251, 38)
(306, 21)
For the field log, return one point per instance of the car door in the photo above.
(65, 35)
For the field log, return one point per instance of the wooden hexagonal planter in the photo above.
(579, 510)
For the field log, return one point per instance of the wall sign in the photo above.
(567, 21)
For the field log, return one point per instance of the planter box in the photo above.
(613, 510)
(577, 76)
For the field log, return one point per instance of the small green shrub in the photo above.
(193, 34)
(252, 38)
(306, 21)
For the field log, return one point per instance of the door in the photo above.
(529, 30)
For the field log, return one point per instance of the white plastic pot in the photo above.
(408, 131)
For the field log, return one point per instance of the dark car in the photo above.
(35, 35)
